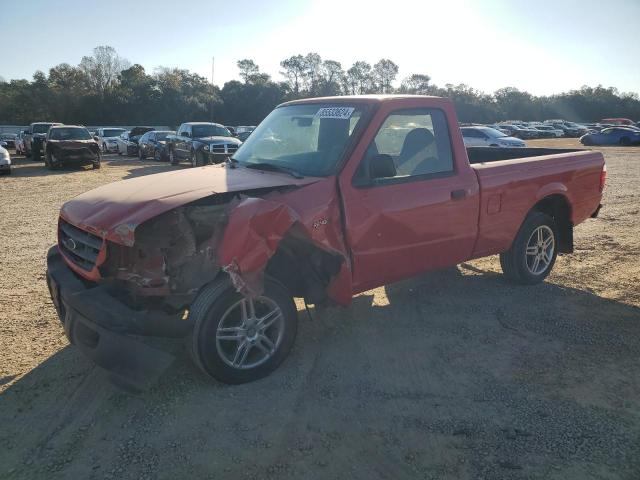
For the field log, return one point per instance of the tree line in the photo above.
(106, 89)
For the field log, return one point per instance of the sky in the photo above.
(540, 46)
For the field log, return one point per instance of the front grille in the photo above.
(81, 247)
(224, 148)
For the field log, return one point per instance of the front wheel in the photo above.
(236, 339)
(625, 141)
(194, 159)
(141, 155)
(173, 159)
(534, 251)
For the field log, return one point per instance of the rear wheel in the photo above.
(625, 141)
(236, 339)
(534, 251)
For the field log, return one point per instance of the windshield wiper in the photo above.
(273, 168)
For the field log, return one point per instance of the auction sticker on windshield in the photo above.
(343, 113)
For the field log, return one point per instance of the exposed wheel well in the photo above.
(305, 269)
(558, 207)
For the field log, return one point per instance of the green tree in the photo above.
(295, 68)
(248, 69)
(384, 73)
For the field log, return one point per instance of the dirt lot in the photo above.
(454, 375)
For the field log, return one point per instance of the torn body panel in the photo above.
(296, 235)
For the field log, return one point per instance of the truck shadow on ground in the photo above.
(453, 374)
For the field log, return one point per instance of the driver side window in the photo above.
(410, 144)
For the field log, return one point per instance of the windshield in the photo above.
(308, 139)
(493, 133)
(113, 132)
(162, 135)
(200, 131)
(41, 128)
(70, 133)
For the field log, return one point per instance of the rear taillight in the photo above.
(603, 177)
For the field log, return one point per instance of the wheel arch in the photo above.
(305, 269)
(558, 207)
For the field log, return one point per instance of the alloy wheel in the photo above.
(540, 249)
(250, 332)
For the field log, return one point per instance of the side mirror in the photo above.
(381, 166)
(186, 134)
(96, 138)
(3, 144)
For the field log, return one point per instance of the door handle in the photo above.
(458, 194)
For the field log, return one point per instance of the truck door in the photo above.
(411, 205)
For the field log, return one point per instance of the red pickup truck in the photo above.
(327, 198)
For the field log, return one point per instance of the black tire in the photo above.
(156, 155)
(173, 159)
(141, 155)
(625, 141)
(96, 165)
(494, 145)
(193, 158)
(35, 155)
(49, 163)
(587, 142)
(517, 265)
(104, 147)
(208, 312)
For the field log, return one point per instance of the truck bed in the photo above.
(489, 154)
(512, 180)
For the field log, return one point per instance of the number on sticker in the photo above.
(343, 113)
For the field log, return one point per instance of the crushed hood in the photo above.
(115, 210)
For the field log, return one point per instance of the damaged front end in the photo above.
(173, 255)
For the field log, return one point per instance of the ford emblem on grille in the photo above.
(70, 243)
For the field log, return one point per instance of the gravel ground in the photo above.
(453, 375)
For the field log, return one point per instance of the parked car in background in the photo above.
(243, 131)
(5, 161)
(127, 143)
(618, 121)
(518, 131)
(572, 130)
(68, 144)
(549, 131)
(9, 139)
(613, 136)
(154, 144)
(34, 137)
(201, 143)
(488, 137)
(107, 138)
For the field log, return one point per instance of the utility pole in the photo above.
(213, 93)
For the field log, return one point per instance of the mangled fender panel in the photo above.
(256, 227)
